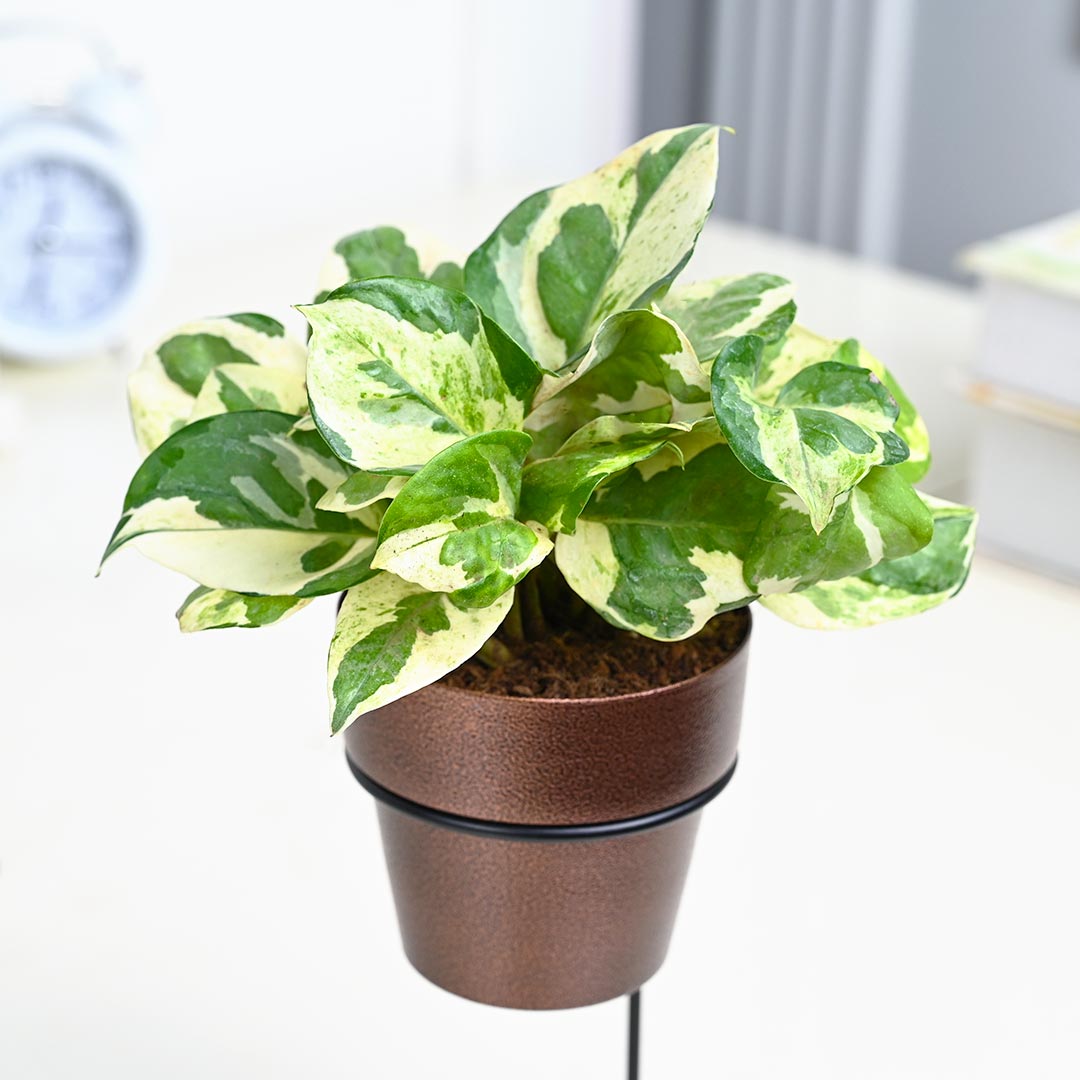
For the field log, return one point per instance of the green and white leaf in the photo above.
(361, 489)
(215, 609)
(399, 370)
(379, 252)
(909, 424)
(802, 348)
(568, 257)
(640, 367)
(449, 275)
(163, 389)
(239, 387)
(894, 589)
(555, 490)
(230, 501)
(385, 252)
(712, 312)
(882, 518)
(819, 430)
(453, 528)
(659, 549)
(394, 637)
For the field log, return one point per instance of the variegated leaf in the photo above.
(239, 387)
(555, 490)
(163, 389)
(394, 637)
(361, 489)
(640, 367)
(384, 252)
(819, 431)
(909, 424)
(659, 548)
(568, 257)
(894, 589)
(453, 529)
(710, 313)
(231, 502)
(802, 348)
(379, 252)
(399, 370)
(449, 275)
(215, 609)
(881, 518)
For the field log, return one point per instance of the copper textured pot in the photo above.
(537, 847)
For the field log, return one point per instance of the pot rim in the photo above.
(634, 695)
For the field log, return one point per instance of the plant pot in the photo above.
(537, 847)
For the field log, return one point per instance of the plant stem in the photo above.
(513, 628)
(494, 653)
(576, 610)
(532, 609)
(563, 608)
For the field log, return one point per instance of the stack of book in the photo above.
(1026, 380)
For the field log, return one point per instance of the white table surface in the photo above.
(191, 884)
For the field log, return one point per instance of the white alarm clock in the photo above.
(75, 229)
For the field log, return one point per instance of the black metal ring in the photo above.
(506, 830)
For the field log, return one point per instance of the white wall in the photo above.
(993, 127)
(327, 117)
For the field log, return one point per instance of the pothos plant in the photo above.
(679, 450)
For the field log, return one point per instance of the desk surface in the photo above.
(191, 883)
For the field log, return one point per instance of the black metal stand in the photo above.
(516, 831)
(506, 830)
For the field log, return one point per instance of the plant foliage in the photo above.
(680, 450)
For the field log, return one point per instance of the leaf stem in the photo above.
(512, 628)
(532, 609)
(494, 653)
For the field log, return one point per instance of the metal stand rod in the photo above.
(635, 1036)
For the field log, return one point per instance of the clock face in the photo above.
(68, 244)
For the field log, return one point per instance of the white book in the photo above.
(1031, 333)
(1026, 378)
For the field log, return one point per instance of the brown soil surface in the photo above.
(602, 662)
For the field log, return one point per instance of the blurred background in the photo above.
(898, 129)
(189, 884)
(901, 130)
